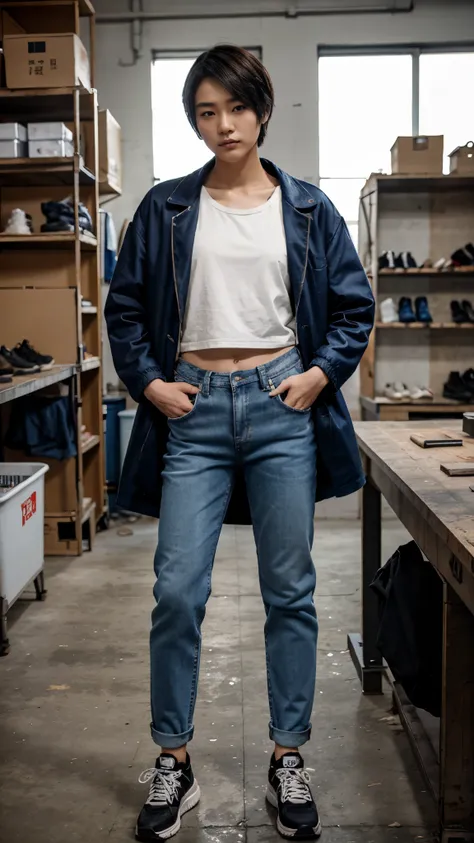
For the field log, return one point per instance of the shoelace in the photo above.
(294, 786)
(164, 786)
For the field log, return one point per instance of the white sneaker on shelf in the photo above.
(416, 393)
(17, 223)
(403, 389)
(427, 393)
(391, 392)
(388, 311)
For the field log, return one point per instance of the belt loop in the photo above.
(206, 385)
(263, 377)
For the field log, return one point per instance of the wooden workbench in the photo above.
(438, 511)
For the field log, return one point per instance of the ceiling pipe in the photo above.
(129, 17)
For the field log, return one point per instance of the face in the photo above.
(228, 127)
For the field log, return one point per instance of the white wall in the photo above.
(289, 52)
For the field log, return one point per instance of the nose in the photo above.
(225, 124)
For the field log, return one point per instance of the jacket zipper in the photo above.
(302, 280)
(175, 280)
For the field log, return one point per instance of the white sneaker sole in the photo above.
(190, 801)
(290, 832)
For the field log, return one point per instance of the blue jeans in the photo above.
(234, 424)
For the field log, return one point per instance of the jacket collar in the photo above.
(293, 191)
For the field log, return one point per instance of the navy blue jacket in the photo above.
(146, 303)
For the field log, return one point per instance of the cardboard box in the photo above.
(12, 131)
(49, 131)
(46, 61)
(50, 149)
(110, 153)
(13, 149)
(461, 160)
(419, 155)
(3, 81)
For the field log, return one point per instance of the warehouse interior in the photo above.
(372, 106)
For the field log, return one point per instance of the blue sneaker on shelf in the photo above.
(422, 310)
(405, 310)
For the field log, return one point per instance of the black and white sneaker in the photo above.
(173, 791)
(289, 792)
(28, 353)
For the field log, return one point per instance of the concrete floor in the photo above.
(74, 715)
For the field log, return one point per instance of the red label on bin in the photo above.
(28, 509)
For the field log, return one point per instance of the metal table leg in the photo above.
(365, 655)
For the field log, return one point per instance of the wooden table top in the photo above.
(445, 503)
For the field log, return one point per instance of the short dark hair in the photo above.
(241, 73)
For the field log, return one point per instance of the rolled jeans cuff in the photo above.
(171, 741)
(290, 739)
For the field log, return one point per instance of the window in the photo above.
(177, 149)
(367, 100)
(445, 79)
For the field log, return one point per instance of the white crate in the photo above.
(21, 529)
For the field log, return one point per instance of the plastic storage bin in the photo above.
(21, 531)
(127, 417)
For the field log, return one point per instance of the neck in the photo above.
(248, 171)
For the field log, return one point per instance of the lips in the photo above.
(229, 143)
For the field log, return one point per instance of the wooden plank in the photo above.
(457, 727)
(458, 468)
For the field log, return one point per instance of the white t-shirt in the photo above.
(239, 291)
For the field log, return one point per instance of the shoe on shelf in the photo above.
(402, 389)
(405, 310)
(468, 309)
(390, 391)
(427, 393)
(289, 792)
(387, 260)
(462, 257)
(173, 791)
(388, 311)
(469, 248)
(28, 353)
(468, 380)
(458, 314)
(405, 260)
(422, 311)
(416, 393)
(19, 222)
(5, 378)
(19, 365)
(456, 389)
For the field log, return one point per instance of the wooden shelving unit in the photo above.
(431, 217)
(44, 276)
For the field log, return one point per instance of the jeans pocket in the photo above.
(194, 401)
(297, 369)
(280, 399)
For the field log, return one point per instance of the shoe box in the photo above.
(46, 61)
(110, 151)
(418, 155)
(13, 143)
(50, 140)
(461, 160)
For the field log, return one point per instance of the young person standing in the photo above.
(237, 310)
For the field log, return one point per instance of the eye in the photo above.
(240, 108)
(207, 114)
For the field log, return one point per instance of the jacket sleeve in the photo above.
(350, 309)
(125, 315)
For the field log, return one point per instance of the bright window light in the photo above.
(177, 150)
(445, 105)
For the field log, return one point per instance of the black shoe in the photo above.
(289, 792)
(422, 310)
(463, 257)
(458, 313)
(28, 353)
(468, 380)
(5, 378)
(405, 260)
(456, 389)
(17, 363)
(468, 309)
(405, 310)
(173, 791)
